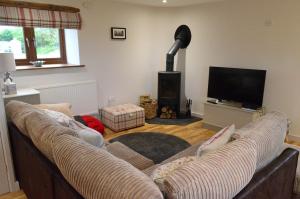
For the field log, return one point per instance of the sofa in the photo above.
(52, 162)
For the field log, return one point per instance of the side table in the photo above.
(30, 96)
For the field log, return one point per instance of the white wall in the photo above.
(249, 33)
(123, 69)
(260, 34)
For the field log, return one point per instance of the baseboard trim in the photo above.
(195, 114)
(293, 138)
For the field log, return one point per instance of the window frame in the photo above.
(31, 54)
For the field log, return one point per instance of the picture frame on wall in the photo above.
(118, 33)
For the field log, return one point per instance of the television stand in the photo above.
(220, 115)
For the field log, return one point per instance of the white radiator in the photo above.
(82, 95)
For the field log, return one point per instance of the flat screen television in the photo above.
(239, 85)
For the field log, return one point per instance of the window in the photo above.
(32, 44)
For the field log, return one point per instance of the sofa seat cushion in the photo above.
(219, 174)
(95, 173)
(269, 133)
(125, 153)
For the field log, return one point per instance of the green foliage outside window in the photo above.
(47, 39)
(10, 34)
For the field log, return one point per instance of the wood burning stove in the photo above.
(169, 84)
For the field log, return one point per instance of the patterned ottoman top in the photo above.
(122, 109)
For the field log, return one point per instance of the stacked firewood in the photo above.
(167, 113)
(150, 106)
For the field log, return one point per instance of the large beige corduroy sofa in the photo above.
(248, 167)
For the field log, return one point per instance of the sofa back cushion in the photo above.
(42, 130)
(95, 173)
(269, 133)
(64, 108)
(85, 133)
(219, 174)
(17, 112)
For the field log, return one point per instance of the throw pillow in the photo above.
(219, 139)
(64, 108)
(163, 171)
(91, 122)
(85, 133)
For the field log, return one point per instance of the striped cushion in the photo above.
(42, 130)
(269, 133)
(162, 172)
(219, 174)
(216, 141)
(95, 173)
(125, 153)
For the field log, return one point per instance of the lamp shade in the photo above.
(7, 62)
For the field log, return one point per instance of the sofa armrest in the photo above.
(275, 181)
(125, 153)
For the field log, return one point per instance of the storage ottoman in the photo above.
(123, 117)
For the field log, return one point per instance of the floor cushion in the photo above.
(122, 117)
(95, 173)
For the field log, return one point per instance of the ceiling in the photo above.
(171, 3)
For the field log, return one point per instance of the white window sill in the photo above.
(48, 66)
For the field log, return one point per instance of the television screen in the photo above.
(240, 85)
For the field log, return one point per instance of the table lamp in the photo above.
(7, 65)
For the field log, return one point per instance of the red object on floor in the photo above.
(93, 123)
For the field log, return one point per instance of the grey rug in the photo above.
(155, 146)
(179, 121)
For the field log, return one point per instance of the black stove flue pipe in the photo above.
(182, 38)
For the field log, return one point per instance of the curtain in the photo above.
(31, 17)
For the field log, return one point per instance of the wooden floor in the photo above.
(192, 133)
(15, 195)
